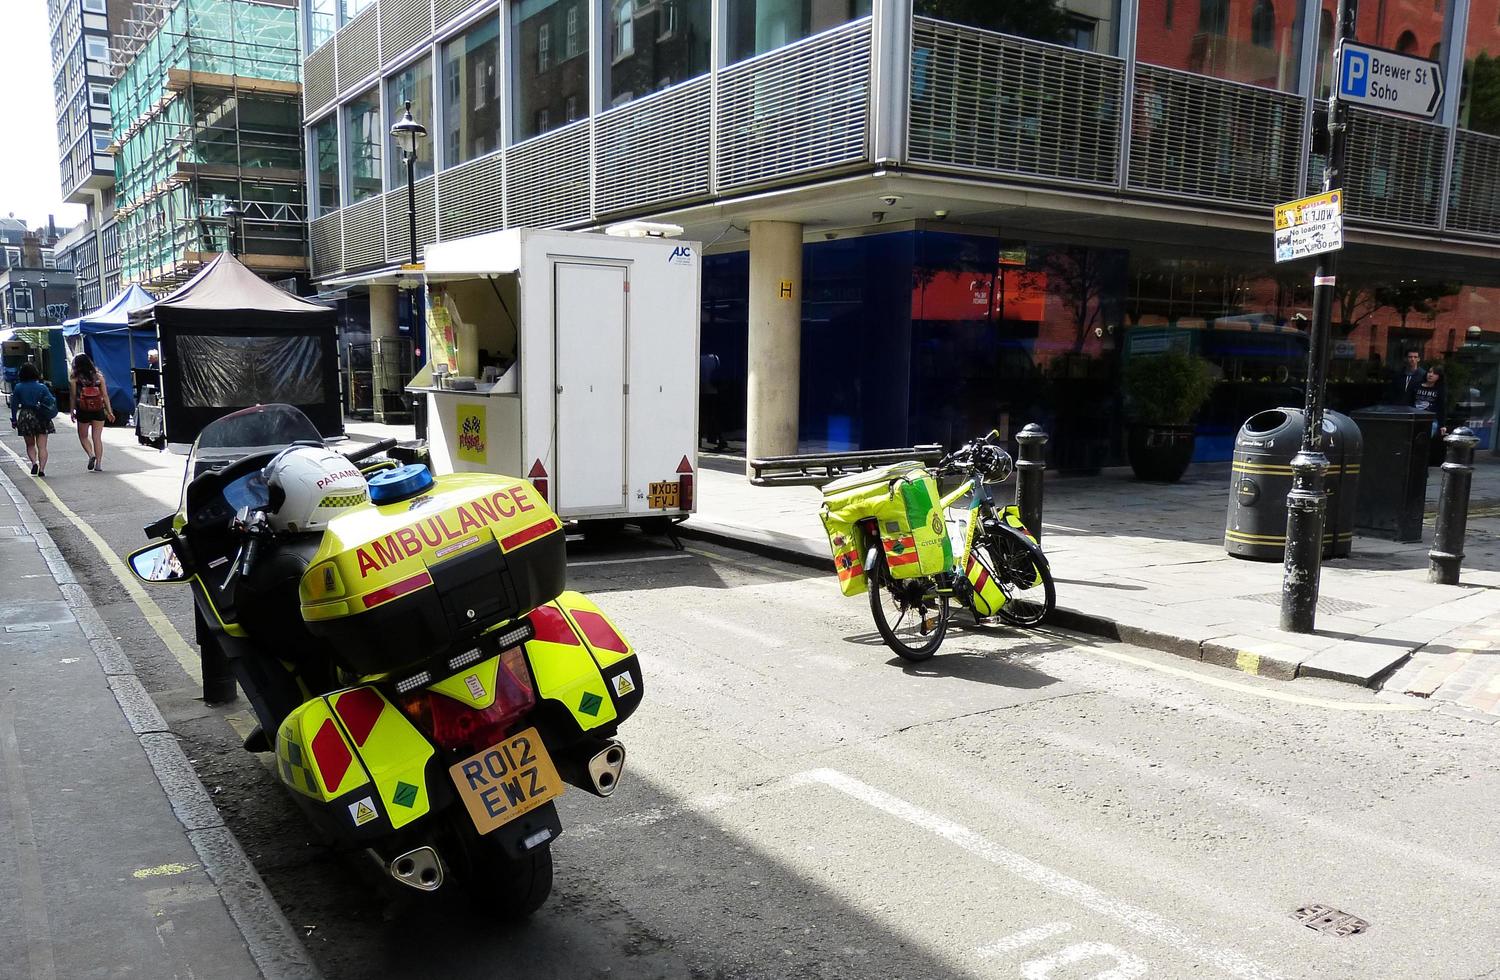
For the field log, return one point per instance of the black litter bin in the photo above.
(1393, 495)
(1261, 477)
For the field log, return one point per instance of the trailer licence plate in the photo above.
(507, 779)
(663, 495)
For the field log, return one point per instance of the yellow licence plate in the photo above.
(663, 495)
(506, 780)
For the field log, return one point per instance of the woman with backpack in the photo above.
(90, 401)
(32, 407)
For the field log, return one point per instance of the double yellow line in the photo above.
(186, 653)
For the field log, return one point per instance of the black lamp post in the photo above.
(407, 132)
(232, 216)
(46, 310)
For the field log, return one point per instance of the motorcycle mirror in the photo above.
(157, 562)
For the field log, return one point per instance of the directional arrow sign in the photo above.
(1387, 80)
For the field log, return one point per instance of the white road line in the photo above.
(1022, 939)
(626, 561)
(1146, 923)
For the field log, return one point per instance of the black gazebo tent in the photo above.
(229, 339)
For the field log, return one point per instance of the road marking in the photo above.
(1127, 965)
(790, 577)
(1146, 923)
(162, 870)
(186, 656)
(1022, 939)
(625, 561)
(1269, 693)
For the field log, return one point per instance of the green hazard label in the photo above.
(405, 795)
(590, 704)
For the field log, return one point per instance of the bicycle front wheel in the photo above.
(911, 617)
(1025, 576)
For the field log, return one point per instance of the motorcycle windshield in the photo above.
(261, 429)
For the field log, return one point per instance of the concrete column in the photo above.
(775, 338)
(384, 313)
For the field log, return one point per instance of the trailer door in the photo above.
(589, 301)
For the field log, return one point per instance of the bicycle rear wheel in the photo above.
(911, 617)
(1025, 576)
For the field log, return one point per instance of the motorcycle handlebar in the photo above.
(370, 450)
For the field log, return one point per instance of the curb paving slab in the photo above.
(271, 942)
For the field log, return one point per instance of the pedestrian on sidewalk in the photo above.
(90, 401)
(1432, 396)
(32, 407)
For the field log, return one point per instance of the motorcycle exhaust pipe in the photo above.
(606, 766)
(418, 868)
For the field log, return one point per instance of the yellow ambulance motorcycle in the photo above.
(428, 685)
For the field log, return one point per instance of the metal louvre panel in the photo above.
(547, 179)
(473, 197)
(359, 50)
(320, 85)
(327, 239)
(1474, 201)
(795, 110)
(450, 10)
(987, 101)
(655, 149)
(364, 234)
(1393, 169)
(1209, 139)
(397, 229)
(402, 24)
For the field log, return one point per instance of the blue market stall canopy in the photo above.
(114, 345)
(230, 340)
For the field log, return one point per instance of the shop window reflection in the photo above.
(1088, 25)
(758, 26)
(1256, 43)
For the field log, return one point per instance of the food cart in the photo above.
(570, 359)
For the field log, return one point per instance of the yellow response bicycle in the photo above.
(915, 552)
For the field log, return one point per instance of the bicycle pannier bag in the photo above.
(987, 595)
(903, 500)
(848, 545)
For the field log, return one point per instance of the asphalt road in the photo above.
(800, 803)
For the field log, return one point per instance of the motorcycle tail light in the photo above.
(455, 726)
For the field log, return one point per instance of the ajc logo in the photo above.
(681, 255)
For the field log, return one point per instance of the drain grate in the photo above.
(1330, 921)
(1325, 604)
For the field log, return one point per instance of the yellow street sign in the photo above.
(1310, 210)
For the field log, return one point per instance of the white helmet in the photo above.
(310, 487)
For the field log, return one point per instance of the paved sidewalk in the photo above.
(1145, 563)
(116, 859)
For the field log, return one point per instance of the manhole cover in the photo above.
(28, 628)
(1330, 921)
(1325, 604)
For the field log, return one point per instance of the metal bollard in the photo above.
(1447, 554)
(1029, 469)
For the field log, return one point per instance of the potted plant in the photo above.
(1162, 394)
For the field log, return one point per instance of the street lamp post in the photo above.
(407, 132)
(46, 310)
(231, 225)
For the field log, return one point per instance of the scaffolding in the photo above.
(206, 112)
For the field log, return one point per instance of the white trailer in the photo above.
(570, 359)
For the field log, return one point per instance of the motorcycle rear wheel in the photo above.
(911, 619)
(511, 888)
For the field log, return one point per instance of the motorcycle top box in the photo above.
(423, 569)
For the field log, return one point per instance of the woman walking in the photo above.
(90, 401)
(31, 409)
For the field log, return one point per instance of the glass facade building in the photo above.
(1002, 203)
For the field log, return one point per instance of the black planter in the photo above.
(1159, 453)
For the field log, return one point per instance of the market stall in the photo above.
(228, 340)
(115, 347)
